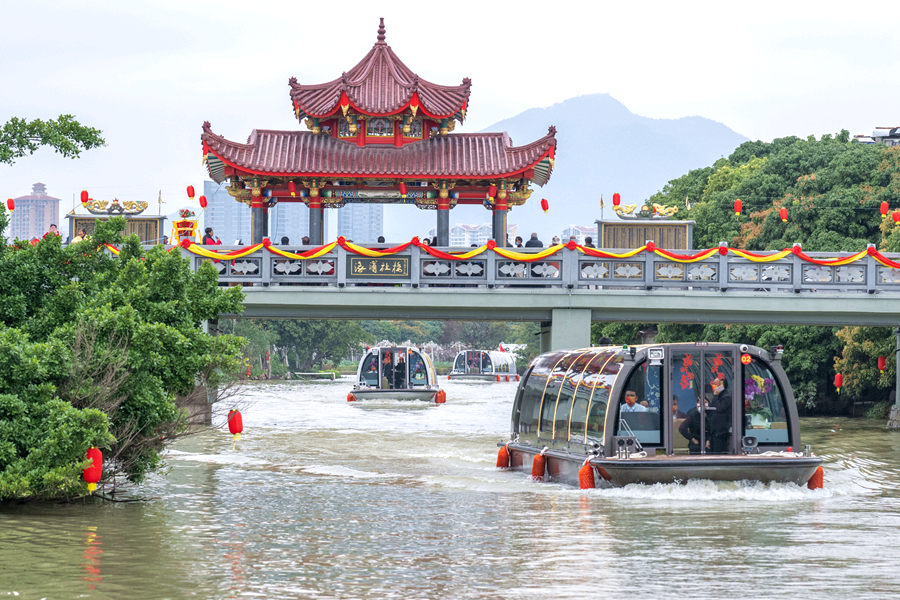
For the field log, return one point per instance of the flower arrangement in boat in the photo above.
(754, 389)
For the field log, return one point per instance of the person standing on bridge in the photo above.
(209, 239)
(534, 242)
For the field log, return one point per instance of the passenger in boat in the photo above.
(387, 371)
(677, 414)
(690, 429)
(631, 403)
(721, 418)
(400, 372)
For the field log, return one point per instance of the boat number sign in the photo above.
(378, 268)
(746, 359)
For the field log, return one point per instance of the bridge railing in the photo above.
(566, 269)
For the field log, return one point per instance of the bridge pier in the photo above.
(569, 328)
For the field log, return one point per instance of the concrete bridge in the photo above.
(568, 290)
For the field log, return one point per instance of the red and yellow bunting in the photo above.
(529, 257)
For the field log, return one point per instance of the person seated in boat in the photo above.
(632, 404)
(690, 429)
(677, 414)
(387, 371)
(400, 372)
(720, 420)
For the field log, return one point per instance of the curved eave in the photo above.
(216, 147)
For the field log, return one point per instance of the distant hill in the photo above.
(603, 148)
(606, 148)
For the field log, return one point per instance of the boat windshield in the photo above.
(765, 415)
(418, 371)
(369, 372)
(459, 365)
(639, 406)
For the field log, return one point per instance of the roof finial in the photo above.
(381, 30)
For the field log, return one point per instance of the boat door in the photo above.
(701, 417)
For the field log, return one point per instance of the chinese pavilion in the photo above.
(379, 134)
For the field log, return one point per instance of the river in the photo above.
(323, 498)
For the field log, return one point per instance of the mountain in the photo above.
(602, 148)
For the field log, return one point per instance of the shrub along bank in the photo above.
(94, 349)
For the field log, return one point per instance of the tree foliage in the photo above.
(67, 136)
(94, 350)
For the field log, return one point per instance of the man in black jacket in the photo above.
(720, 420)
(534, 242)
(690, 429)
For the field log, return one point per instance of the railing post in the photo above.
(649, 268)
(266, 265)
(797, 270)
(723, 267)
(570, 269)
(871, 271)
(340, 266)
(490, 263)
(415, 265)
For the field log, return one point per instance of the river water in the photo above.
(323, 498)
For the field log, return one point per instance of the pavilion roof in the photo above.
(381, 84)
(454, 156)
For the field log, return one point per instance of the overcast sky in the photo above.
(149, 73)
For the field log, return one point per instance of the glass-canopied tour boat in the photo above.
(484, 365)
(396, 372)
(636, 416)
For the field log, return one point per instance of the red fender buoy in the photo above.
(440, 397)
(503, 458)
(817, 481)
(351, 398)
(498, 378)
(507, 379)
(539, 466)
(448, 378)
(518, 378)
(586, 476)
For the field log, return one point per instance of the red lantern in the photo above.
(839, 382)
(94, 472)
(882, 363)
(84, 197)
(884, 209)
(190, 192)
(403, 189)
(235, 424)
(617, 199)
(738, 206)
(896, 216)
(783, 213)
(203, 202)
(492, 191)
(545, 205)
(11, 204)
(292, 188)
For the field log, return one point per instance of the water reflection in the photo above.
(325, 498)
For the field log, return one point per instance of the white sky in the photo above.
(149, 73)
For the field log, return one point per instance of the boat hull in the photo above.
(563, 467)
(404, 394)
(474, 377)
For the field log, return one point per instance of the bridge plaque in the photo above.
(359, 267)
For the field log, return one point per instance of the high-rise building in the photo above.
(580, 232)
(33, 214)
(478, 235)
(229, 218)
(362, 223)
(290, 220)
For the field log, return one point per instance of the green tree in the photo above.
(312, 343)
(96, 350)
(67, 136)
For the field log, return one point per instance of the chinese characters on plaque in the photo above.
(378, 268)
